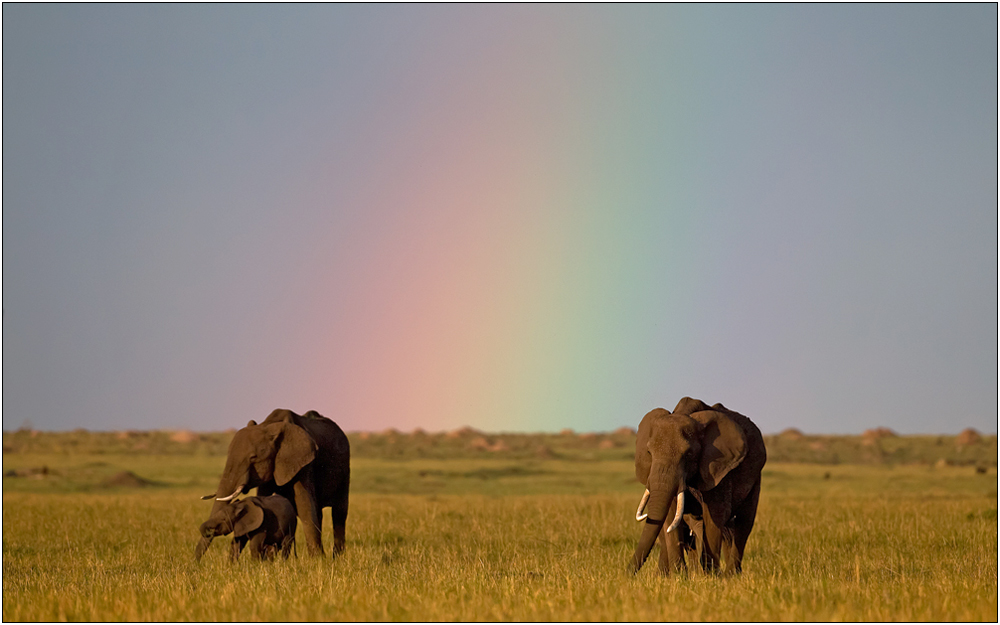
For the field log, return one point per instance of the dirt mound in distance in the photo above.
(969, 436)
(792, 434)
(871, 437)
(127, 479)
(184, 436)
(545, 452)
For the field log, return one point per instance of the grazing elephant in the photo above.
(304, 458)
(702, 465)
(266, 524)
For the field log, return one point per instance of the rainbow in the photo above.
(513, 229)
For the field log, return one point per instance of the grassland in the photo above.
(516, 533)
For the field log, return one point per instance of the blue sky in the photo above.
(515, 217)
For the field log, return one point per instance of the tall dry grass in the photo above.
(862, 543)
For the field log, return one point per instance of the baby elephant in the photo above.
(267, 524)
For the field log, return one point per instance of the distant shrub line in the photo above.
(879, 446)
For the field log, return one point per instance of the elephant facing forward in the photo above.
(701, 467)
(304, 458)
(262, 525)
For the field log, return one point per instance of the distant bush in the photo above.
(156, 442)
(881, 449)
(872, 448)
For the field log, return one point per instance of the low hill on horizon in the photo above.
(874, 446)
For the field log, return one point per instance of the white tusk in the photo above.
(680, 512)
(204, 497)
(238, 490)
(639, 516)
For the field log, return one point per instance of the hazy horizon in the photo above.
(511, 217)
(29, 426)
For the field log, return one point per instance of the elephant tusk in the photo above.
(639, 516)
(238, 490)
(205, 497)
(680, 512)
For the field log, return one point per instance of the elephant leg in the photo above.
(671, 552)
(729, 552)
(286, 546)
(717, 512)
(712, 548)
(746, 513)
(234, 550)
(339, 516)
(256, 546)
(695, 547)
(311, 517)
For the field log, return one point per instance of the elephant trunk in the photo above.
(657, 508)
(202, 547)
(229, 487)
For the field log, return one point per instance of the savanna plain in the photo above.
(473, 527)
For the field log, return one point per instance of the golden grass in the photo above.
(864, 543)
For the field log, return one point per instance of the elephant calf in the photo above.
(267, 524)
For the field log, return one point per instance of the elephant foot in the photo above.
(667, 572)
(315, 551)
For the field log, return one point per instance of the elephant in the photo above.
(702, 465)
(304, 458)
(266, 524)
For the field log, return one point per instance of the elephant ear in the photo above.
(296, 449)
(249, 517)
(643, 459)
(723, 447)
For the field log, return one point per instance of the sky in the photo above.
(513, 217)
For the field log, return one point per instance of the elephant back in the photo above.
(332, 466)
(325, 432)
(756, 455)
(312, 415)
(754, 437)
(689, 406)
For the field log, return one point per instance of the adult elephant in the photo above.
(305, 458)
(701, 465)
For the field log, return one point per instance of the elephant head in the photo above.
(693, 447)
(259, 454)
(272, 452)
(238, 517)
